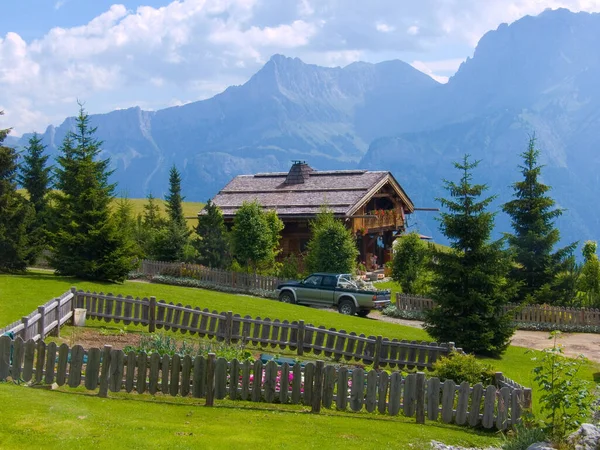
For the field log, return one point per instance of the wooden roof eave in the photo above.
(395, 185)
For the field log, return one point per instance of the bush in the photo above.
(290, 268)
(392, 311)
(192, 282)
(522, 437)
(459, 367)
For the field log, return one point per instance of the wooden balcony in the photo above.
(382, 220)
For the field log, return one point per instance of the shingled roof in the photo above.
(302, 191)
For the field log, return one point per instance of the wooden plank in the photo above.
(293, 336)
(270, 381)
(371, 397)
(221, 378)
(17, 359)
(410, 394)
(433, 398)
(195, 319)
(212, 324)
(488, 407)
(395, 392)
(297, 384)
(341, 401)
(142, 370)
(130, 362)
(360, 348)
(105, 371)
(357, 389)
(317, 392)
(199, 377)
(393, 353)
(503, 405)
(422, 356)
(246, 328)
(76, 365)
(118, 308)
(39, 361)
(50, 363)
(475, 408)
(308, 338)
(28, 360)
(330, 344)
(319, 339)
(245, 385)
(6, 344)
(160, 313)
(127, 311)
(284, 335)
(168, 319)
(420, 397)
(108, 307)
(433, 353)
(154, 373)
(516, 406)
(266, 330)
(382, 390)
(210, 379)
(236, 328)
(309, 375)
(61, 368)
(176, 324)
(448, 401)
(234, 378)
(328, 386)
(339, 345)
(275, 330)
(412, 355)
(284, 383)
(256, 332)
(92, 369)
(175, 372)
(164, 373)
(463, 403)
(384, 352)
(117, 363)
(351, 341)
(186, 369)
(257, 381)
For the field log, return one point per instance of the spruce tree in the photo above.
(174, 199)
(16, 214)
(35, 177)
(151, 218)
(469, 284)
(532, 214)
(211, 241)
(332, 247)
(86, 241)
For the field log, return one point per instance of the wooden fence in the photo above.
(521, 313)
(46, 319)
(237, 280)
(233, 328)
(316, 385)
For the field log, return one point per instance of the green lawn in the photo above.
(190, 209)
(40, 418)
(22, 294)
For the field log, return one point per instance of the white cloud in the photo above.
(192, 49)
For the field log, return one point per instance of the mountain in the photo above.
(536, 75)
(288, 110)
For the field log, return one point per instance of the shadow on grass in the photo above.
(46, 275)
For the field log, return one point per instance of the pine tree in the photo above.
(532, 216)
(332, 247)
(211, 241)
(86, 241)
(174, 199)
(589, 280)
(35, 177)
(470, 285)
(152, 218)
(16, 214)
(126, 223)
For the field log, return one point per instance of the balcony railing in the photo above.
(389, 218)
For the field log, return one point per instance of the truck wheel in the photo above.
(347, 307)
(286, 297)
(363, 313)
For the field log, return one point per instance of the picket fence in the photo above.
(232, 328)
(316, 384)
(521, 313)
(219, 277)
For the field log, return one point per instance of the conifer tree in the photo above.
(86, 241)
(152, 219)
(410, 264)
(211, 242)
(174, 199)
(470, 285)
(16, 214)
(532, 214)
(35, 177)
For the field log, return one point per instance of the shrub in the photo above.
(522, 437)
(392, 311)
(290, 268)
(192, 282)
(459, 367)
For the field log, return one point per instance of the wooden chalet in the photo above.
(371, 203)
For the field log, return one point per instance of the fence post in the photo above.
(420, 411)
(229, 327)
(318, 387)
(377, 354)
(57, 317)
(73, 304)
(105, 372)
(41, 321)
(498, 377)
(152, 315)
(25, 321)
(527, 398)
(397, 300)
(210, 379)
(300, 342)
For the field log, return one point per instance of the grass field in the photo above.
(190, 209)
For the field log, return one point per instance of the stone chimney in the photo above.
(299, 173)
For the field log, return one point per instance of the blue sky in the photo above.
(160, 53)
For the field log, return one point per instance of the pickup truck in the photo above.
(333, 290)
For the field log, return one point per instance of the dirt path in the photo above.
(573, 344)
